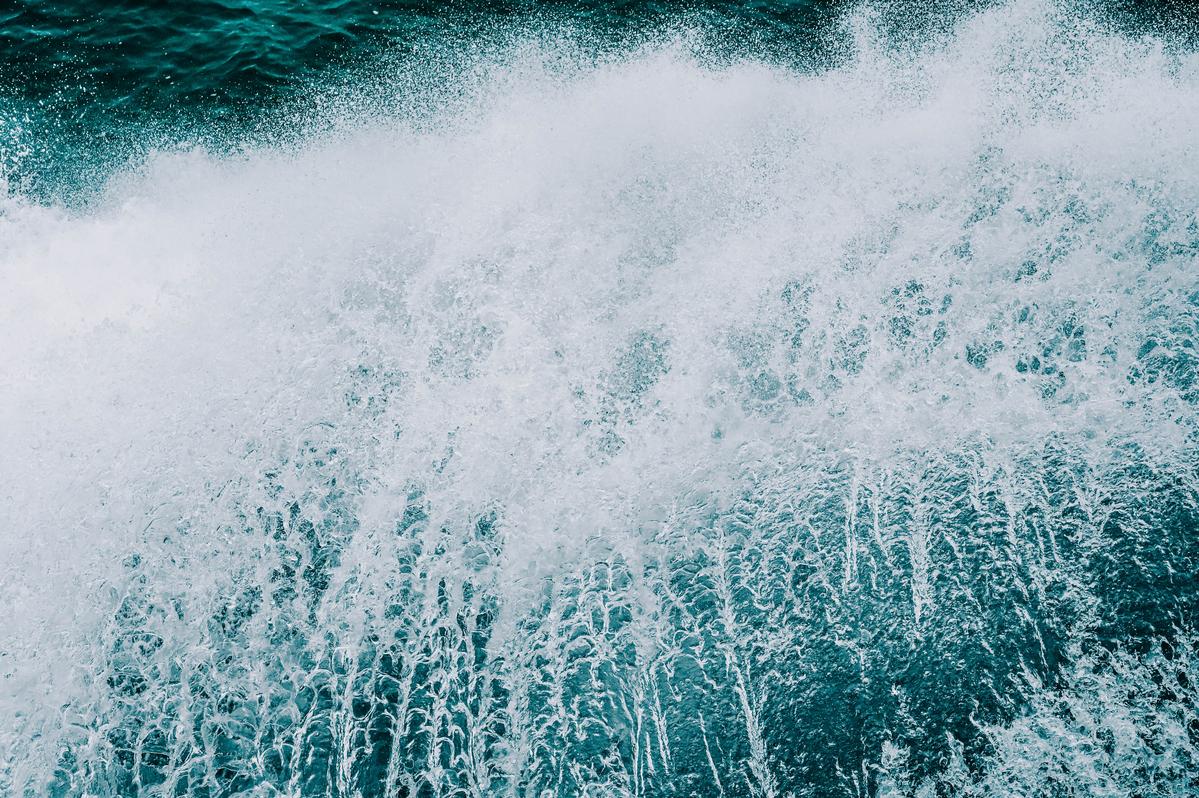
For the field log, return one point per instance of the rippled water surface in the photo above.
(768, 400)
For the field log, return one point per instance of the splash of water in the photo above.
(636, 426)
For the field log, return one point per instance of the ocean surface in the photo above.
(776, 400)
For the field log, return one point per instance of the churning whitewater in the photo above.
(624, 425)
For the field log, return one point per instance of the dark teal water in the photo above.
(599, 399)
(86, 88)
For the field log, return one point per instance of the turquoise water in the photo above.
(87, 88)
(624, 400)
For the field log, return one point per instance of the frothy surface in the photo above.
(624, 424)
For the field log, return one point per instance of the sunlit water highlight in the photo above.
(629, 426)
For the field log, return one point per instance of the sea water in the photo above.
(533, 415)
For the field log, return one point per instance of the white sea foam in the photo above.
(592, 299)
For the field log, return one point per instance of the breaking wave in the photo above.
(625, 425)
